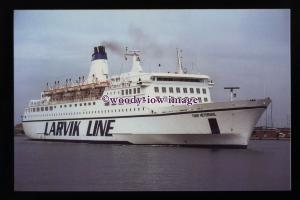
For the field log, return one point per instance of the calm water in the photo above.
(55, 166)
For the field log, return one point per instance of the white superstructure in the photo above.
(140, 108)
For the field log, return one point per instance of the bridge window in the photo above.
(33, 109)
(156, 89)
(37, 109)
(80, 104)
(192, 90)
(205, 99)
(89, 103)
(177, 90)
(204, 90)
(170, 89)
(84, 104)
(94, 103)
(75, 105)
(163, 89)
(134, 90)
(51, 108)
(126, 92)
(70, 105)
(129, 91)
(65, 105)
(46, 108)
(199, 99)
(138, 90)
(184, 90)
(198, 90)
(42, 108)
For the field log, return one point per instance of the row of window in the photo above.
(94, 112)
(38, 109)
(131, 91)
(204, 99)
(50, 108)
(127, 91)
(178, 90)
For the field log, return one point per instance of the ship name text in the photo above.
(63, 128)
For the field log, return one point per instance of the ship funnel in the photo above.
(99, 68)
(99, 53)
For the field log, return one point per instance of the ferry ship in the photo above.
(82, 110)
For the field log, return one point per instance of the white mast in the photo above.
(179, 62)
(136, 61)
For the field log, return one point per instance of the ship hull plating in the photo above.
(217, 124)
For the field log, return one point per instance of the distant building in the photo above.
(270, 133)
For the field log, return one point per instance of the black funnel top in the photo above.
(99, 53)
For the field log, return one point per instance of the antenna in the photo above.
(271, 115)
(266, 117)
(126, 49)
(185, 70)
(179, 62)
(231, 91)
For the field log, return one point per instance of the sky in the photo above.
(245, 48)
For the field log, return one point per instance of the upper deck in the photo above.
(99, 82)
